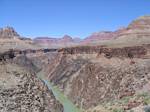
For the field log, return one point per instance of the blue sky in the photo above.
(78, 18)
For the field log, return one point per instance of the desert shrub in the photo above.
(146, 98)
(118, 110)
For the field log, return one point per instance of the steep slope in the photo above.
(10, 39)
(96, 73)
(99, 36)
(8, 32)
(137, 33)
(140, 26)
(93, 75)
(104, 35)
(22, 91)
(138, 30)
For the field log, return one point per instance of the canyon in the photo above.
(104, 72)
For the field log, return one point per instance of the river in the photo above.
(67, 104)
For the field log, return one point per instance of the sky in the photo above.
(77, 18)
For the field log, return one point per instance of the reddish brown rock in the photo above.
(130, 52)
(47, 41)
(139, 28)
(132, 104)
(91, 74)
(99, 36)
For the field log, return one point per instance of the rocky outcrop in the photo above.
(139, 27)
(10, 54)
(8, 33)
(98, 83)
(90, 75)
(10, 39)
(31, 51)
(22, 91)
(138, 32)
(7, 55)
(128, 52)
(142, 23)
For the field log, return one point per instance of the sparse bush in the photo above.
(146, 98)
(118, 110)
(126, 99)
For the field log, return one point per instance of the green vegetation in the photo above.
(146, 98)
(116, 105)
(118, 110)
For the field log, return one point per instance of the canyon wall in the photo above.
(92, 75)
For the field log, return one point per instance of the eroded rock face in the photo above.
(89, 77)
(10, 39)
(22, 91)
(8, 33)
(139, 28)
(137, 32)
(128, 52)
(103, 36)
(106, 35)
(11, 54)
(142, 23)
(98, 83)
(8, 55)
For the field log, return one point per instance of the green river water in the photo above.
(67, 104)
